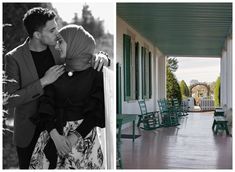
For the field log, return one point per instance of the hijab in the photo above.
(80, 47)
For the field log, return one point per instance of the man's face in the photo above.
(48, 33)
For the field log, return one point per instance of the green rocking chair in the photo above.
(150, 120)
(179, 109)
(169, 116)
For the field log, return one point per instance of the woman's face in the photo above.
(61, 46)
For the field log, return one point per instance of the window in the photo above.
(137, 71)
(127, 53)
(118, 88)
(150, 75)
(146, 66)
(137, 62)
(143, 74)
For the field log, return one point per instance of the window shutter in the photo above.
(146, 74)
(127, 66)
(137, 71)
(118, 88)
(143, 71)
(150, 75)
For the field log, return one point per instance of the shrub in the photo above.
(217, 92)
(184, 89)
(173, 88)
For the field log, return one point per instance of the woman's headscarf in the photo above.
(80, 47)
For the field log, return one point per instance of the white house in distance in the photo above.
(149, 32)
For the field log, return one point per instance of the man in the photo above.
(32, 65)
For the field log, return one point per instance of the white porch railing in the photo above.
(110, 118)
(207, 104)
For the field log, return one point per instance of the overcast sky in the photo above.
(103, 10)
(201, 69)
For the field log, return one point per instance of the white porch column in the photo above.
(229, 72)
(226, 74)
(107, 134)
(161, 77)
(223, 77)
(155, 84)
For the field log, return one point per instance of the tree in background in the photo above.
(13, 14)
(212, 87)
(217, 92)
(104, 41)
(173, 88)
(184, 89)
(93, 26)
(172, 63)
(172, 85)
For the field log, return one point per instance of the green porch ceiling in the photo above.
(181, 29)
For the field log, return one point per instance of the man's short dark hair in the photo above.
(36, 18)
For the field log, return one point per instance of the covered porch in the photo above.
(147, 33)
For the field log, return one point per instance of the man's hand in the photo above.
(101, 59)
(52, 75)
(61, 46)
(62, 144)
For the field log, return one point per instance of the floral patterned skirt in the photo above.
(86, 154)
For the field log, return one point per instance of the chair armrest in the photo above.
(220, 118)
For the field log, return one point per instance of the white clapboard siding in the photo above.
(110, 118)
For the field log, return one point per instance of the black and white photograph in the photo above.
(58, 85)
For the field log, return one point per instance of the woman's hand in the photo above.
(73, 139)
(62, 144)
(61, 46)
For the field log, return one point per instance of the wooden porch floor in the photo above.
(191, 145)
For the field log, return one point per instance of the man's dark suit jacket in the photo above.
(19, 65)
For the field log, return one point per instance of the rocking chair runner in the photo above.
(150, 120)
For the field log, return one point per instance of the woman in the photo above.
(72, 107)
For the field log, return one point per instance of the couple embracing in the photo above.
(59, 100)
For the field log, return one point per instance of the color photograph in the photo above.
(174, 85)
